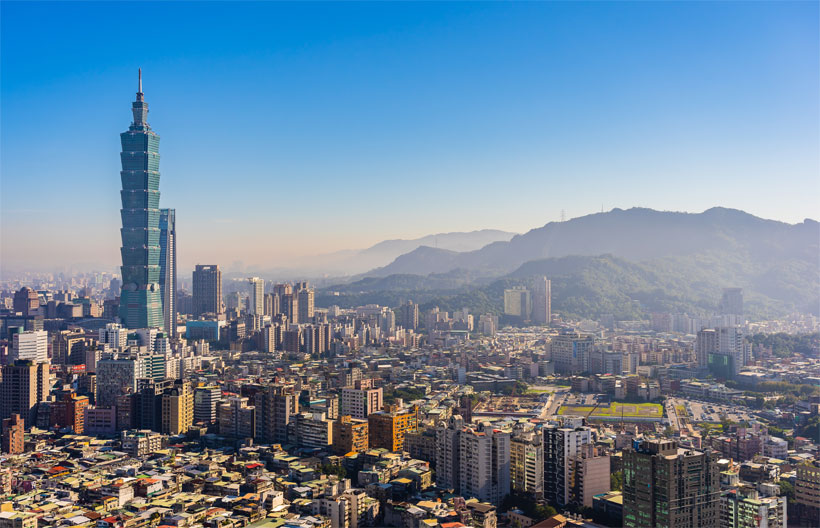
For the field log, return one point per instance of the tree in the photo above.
(616, 481)
(786, 489)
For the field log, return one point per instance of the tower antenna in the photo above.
(139, 73)
(563, 215)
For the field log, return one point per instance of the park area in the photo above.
(616, 410)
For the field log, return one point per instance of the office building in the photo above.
(24, 385)
(665, 485)
(518, 303)
(706, 343)
(206, 400)
(484, 463)
(570, 352)
(168, 269)
(350, 436)
(140, 297)
(361, 403)
(30, 345)
(13, 430)
(542, 301)
(114, 335)
(207, 290)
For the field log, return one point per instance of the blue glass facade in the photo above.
(141, 299)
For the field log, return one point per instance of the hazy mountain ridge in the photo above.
(351, 262)
(679, 263)
(635, 234)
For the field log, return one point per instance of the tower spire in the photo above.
(139, 73)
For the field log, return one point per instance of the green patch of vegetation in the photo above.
(786, 345)
(615, 409)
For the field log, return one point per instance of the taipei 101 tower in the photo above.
(140, 300)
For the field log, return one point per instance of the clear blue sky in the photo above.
(294, 129)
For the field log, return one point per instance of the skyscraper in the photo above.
(168, 268)
(257, 298)
(207, 289)
(140, 300)
(542, 301)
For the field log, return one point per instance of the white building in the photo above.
(484, 459)
(31, 345)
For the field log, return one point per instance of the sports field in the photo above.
(616, 410)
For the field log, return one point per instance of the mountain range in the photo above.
(625, 262)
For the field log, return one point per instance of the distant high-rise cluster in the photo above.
(533, 304)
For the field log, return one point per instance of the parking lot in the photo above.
(699, 411)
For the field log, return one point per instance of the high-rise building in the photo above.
(24, 385)
(570, 352)
(665, 485)
(387, 428)
(257, 297)
(140, 299)
(275, 408)
(236, 418)
(742, 508)
(177, 408)
(115, 375)
(26, 301)
(588, 473)
(207, 289)
(560, 445)
(168, 269)
(350, 435)
(206, 400)
(409, 315)
(31, 345)
(706, 343)
(361, 403)
(306, 303)
(542, 301)
(13, 431)
(114, 335)
(723, 350)
(518, 303)
(448, 459)
(731, 302)
(69, 412)
(807, 493)
(527, 463)
(484, 460)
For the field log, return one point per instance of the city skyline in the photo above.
(398, 135)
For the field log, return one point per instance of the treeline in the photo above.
(786, 345)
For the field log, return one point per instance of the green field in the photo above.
(616, 410)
